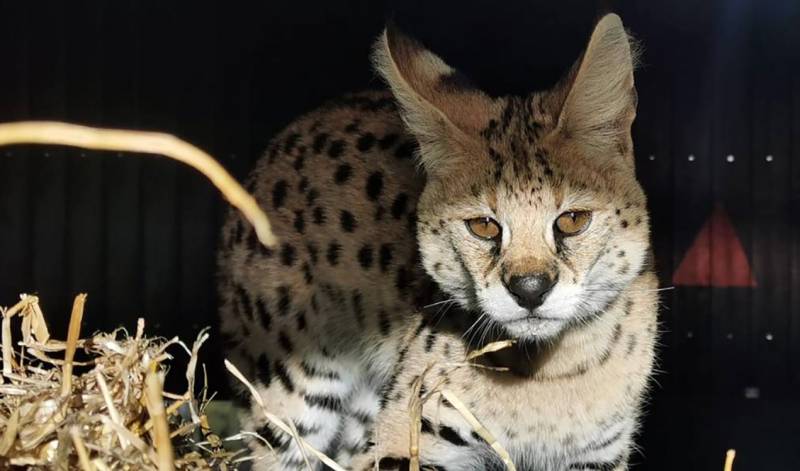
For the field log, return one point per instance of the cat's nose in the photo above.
(530, 290)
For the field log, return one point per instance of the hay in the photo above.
(51, 132)
(111, 413)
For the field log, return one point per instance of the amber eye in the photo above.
(484, 228)
(573, 222)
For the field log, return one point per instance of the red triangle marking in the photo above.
(716, 257)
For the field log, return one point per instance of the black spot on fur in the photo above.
(383, 322)
(279, 193)
(358, 307)
(244, 300)
(288, 254)
(394, 464)
(284, 342)
(348, 221)
(263, 314)
(385, 256)
(399, 205)
(323, 401)
(343, 173)
(307, 276)
(283, 300)
(302, 186)
(352, 127)
(449, 434)
(365, 142)
(319, 215)
(264, 371)
(624, 223)
(336, 149)
(283, 376)
(311, 196)
(365, 257)
(405, 150)
(374, 185)
(319, 142)
(427, 426)
(334, 249)
(299, 221)
(313, 252)
(430, 340)
(387, 141)
(403, 279)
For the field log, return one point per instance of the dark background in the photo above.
(139, 234)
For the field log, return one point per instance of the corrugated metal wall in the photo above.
(719, 79)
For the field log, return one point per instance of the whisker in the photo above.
(449, 300)
(619, 290)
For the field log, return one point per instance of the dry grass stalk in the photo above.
(50, 132)
(730, 455)
(417, 401)
(104, 413)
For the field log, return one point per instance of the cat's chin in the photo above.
(533, 328)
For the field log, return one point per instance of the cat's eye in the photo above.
(484, 228)
(573, 222)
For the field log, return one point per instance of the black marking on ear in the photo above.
(279, 191)
(456, 82)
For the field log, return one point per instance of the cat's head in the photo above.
(531, 215)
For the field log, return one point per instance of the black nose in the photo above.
(530, 290)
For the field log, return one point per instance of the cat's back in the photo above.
(340, 186)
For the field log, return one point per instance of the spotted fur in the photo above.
(377, 276)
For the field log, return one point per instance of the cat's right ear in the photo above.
(438, 104)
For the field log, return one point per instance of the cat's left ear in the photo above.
(600, 102)
(438, 104)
